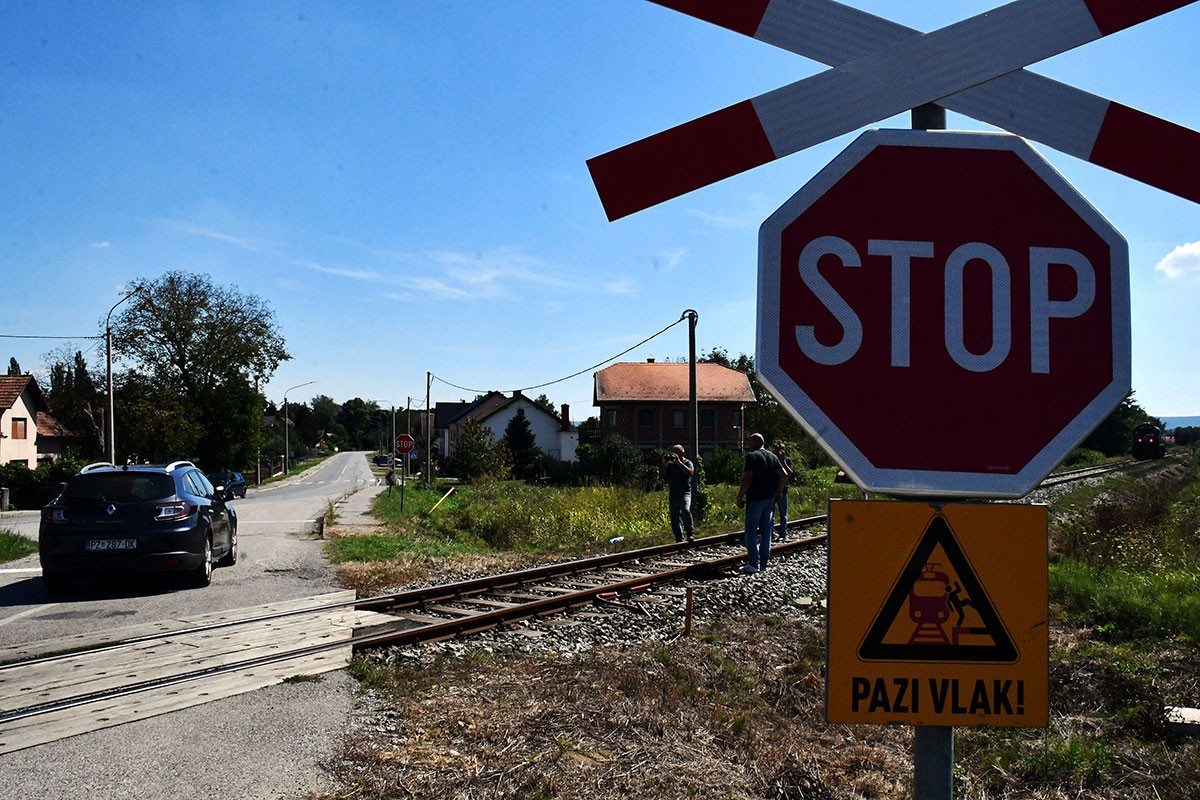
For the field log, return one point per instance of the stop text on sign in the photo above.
(904, 256)
(944, 313)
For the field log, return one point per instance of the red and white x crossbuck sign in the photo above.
(881, 68)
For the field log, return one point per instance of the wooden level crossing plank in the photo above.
(91, 639)
(183, 652)
(24, 685)
(33, 731)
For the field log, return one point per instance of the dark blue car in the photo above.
(137, 518)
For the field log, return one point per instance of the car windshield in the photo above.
(120, 487)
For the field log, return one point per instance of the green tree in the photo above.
(14, 369)
(77, 402)
(768, 417)
(527, 456)
(1114, 435)
(358, 418)
(194, 353)
(153, 425)
(479, 457)
(543, 402)
(616, 461)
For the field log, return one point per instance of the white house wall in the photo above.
(546, 429)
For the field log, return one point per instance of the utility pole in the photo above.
(111, 433)
(693, 393)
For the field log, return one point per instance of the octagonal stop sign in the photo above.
(944, 313)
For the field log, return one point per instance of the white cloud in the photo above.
(1183, 260)
(356, 274)
(192, 229)
(667, 262)
(100, 245)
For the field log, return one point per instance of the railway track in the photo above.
(81, 685)
(70, 687)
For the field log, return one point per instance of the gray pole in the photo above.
(285, 424)
(285, 436)
(693, 394)
(933, 745)
(111, 422)
(428, 431)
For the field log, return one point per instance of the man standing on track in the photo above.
(677, 471)
(762, 484)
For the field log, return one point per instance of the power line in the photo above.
(20, 336)
(574, 374)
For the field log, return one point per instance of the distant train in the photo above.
(1148, 441)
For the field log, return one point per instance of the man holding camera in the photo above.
(677, 471)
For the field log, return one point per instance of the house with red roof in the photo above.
(647, 403)
(27, 430)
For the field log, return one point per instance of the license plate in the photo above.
(110, 544)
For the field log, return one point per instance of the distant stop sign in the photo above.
(944, 313)
(405, 443)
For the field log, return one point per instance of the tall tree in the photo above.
(199, 349)
(767, 416)
(522, 443)
(77, 401)
(14, 368)
(479, 456)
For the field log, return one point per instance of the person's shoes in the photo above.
(691, 538)
(749, 570)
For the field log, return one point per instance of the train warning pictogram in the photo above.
(938, 614)
(938, 610)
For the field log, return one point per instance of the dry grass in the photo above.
(732, 714)
(736, 712)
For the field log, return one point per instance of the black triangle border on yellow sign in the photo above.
(873, 648)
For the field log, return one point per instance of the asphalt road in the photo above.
(267, 744)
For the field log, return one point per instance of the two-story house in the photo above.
(27, 430)
(647, 403)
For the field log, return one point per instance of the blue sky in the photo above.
(405, 182)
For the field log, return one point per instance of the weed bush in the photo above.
(14, 546)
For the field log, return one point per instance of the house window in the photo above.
(678, 418)
(708, 418)
(612, 418)
(645, 417)
(19, 427)
(737, 418)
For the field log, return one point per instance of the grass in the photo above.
(14, 546)
(515, 518)
(736, 710)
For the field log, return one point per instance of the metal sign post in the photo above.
(951, 323)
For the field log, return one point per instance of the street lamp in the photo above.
(111, 433)
(285, 424)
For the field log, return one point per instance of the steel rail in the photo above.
(430, 632)
(468, 623)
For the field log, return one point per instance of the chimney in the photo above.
(566, 417)
(650, 360)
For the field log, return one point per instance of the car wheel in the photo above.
(56, 584)
(230, 558)
(202, 575)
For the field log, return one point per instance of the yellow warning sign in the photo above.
(937, 614)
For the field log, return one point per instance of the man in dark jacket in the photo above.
(677, 471)
(762, 484)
